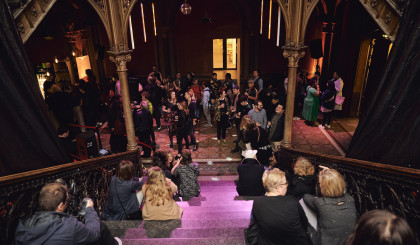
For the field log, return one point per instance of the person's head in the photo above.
(284, 161)
(172, 95)
(178, 75)
(186, 157)
(182, 105)
(160, 159)
(251, 125)
(255, 73)
(331, 86)
(195, 81)
(157, 191)
(279, 109)
(190, 75)
(244, 122)
(274, 181)
(250, 83)
(303, 167)
(331, 183)
(214, 76)
(311, 83)
(381, 227)
(243, 100)
(335, 75)
(125, 170)
(53, 197)
(145, 95)
(187, 96)
(317, 74)
(151, 79)
(144, 105)
(89, 73)
(154, 68)
(235, 90)
(56, 89)
(222, 94)
(259, 104)
(228, 76)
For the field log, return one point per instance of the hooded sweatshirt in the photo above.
(48, 227)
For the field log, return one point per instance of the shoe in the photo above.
(171, 145)
(321, 126)
(328, 126)
(235, 150)
(118, 240)
(195, 147)
(218, 142)
(159, 128)
(224, 141)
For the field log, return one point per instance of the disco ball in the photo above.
(186, 8)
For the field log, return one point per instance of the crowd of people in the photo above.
(296, 207)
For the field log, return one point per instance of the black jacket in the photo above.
(301, 185)
(280, 220)
(250, 178)
(56, 228)
(143, 121)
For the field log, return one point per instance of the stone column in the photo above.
(293, 54)
(121, 59)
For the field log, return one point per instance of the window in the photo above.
(224, 53)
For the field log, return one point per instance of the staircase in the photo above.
(218, 216)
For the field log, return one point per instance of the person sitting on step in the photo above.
(125, 196)
(188, 175)
(279, 218)
(158, 194)
(250, 175)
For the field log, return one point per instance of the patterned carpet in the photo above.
(303, 137)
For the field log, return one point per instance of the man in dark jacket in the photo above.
(52, 226)
(242, 109)
(143, 127)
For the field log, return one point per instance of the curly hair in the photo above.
(160, 159)
(156, 190)
(303, 167)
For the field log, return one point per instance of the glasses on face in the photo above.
(285, 183)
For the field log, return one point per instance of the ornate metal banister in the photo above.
(375, 185)
(19, 192)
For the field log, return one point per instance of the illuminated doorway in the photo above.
(226, 58)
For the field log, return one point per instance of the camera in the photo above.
(82, 211)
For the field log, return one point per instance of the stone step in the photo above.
(218, 198)
(227, 223)
(185, 233)
(216, 203)
(217, 215)
(186, 241)
(198, 209)
(217, 183)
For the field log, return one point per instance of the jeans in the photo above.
(206, 110)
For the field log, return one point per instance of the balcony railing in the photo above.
(375, 185)
(19, 192)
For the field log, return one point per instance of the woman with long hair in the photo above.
(158, 194)
(335, 209)
(221, 115)
(124, 197)
(169, 108)
(304, 180)
(181, 125)
(258, 138)
(188, 173)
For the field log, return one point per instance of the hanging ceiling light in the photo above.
(186, 8)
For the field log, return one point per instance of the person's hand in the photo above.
(222, 106)
(89, 203)
(323, 167)
(268, 123)
(246, 93)
(258, 124)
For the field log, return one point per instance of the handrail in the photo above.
(387, 168)
(13, 178)
(374, 185)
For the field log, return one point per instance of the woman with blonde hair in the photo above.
(335, 209)
(158, 194)
(304, 180)
(279, 217)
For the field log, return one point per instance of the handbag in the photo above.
(339, 100)
(133, 216)
(251, 233)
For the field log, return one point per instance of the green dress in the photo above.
(311, 105)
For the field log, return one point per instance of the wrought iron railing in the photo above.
(19, 192)
(375, 185)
